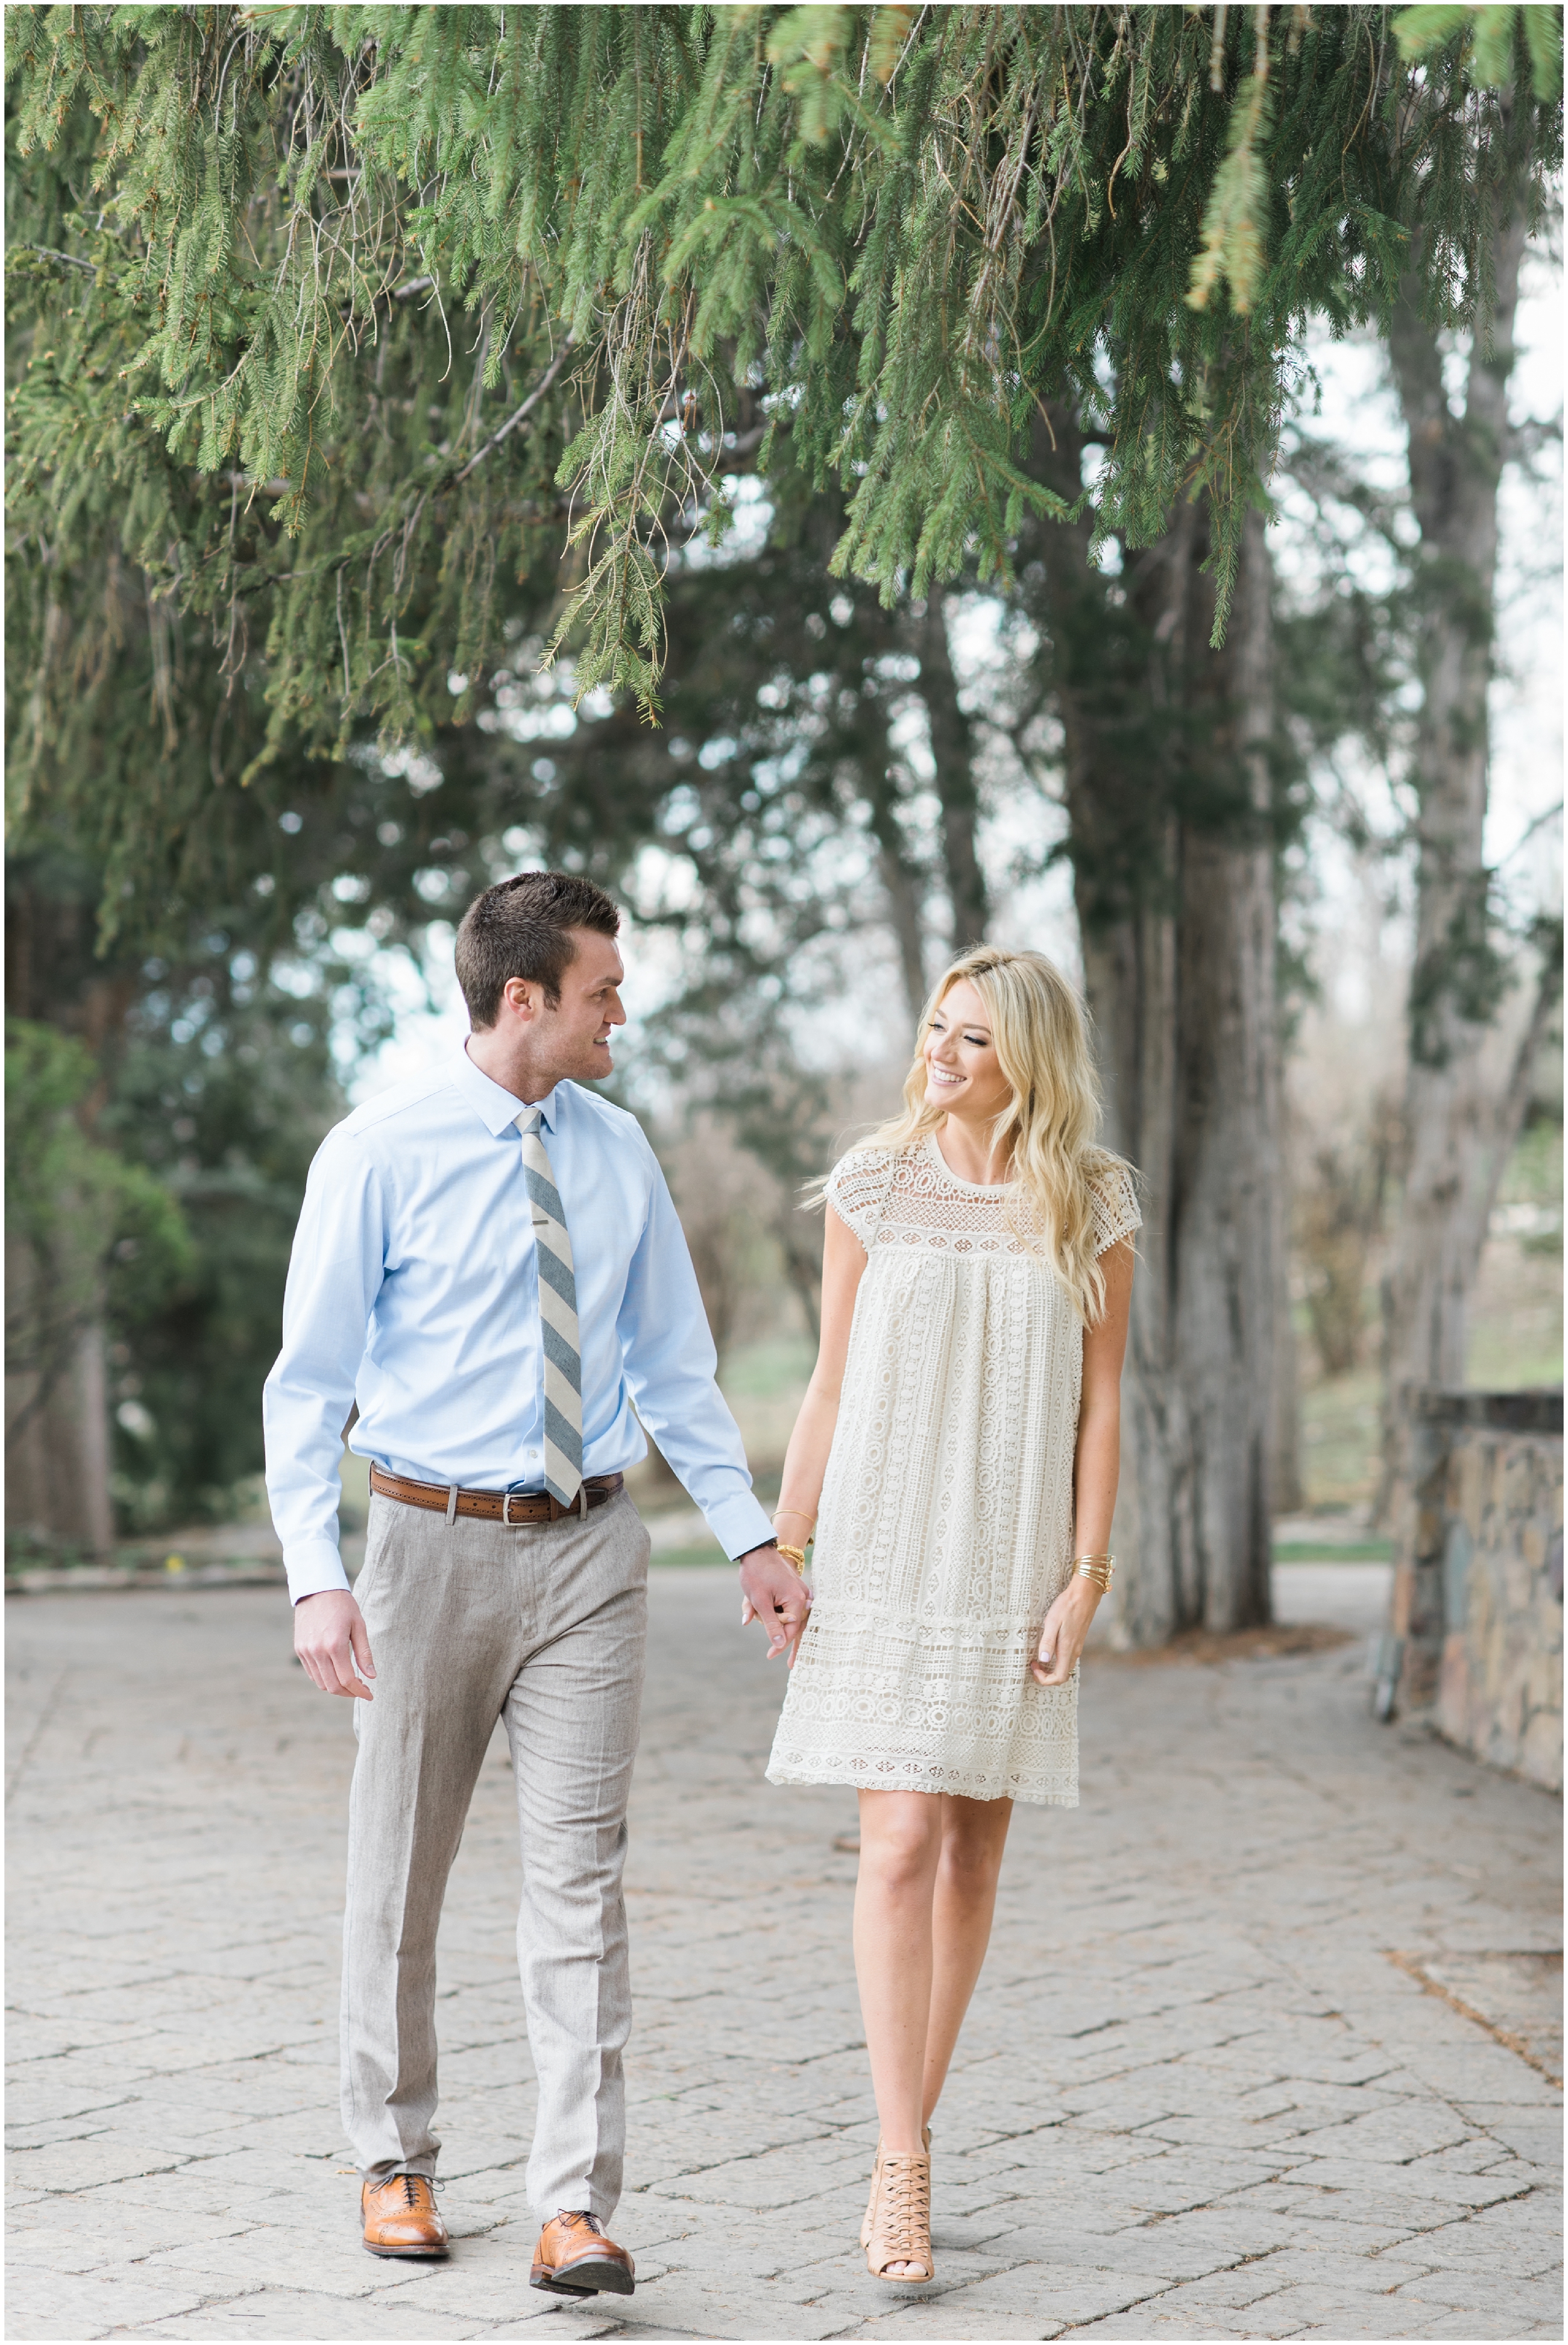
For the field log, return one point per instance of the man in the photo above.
(488, 1264)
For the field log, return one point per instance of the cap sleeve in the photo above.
(1114, 1201)
(858, 1188)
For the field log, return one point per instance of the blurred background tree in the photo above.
(1462, 1114)
(988, 301)
(91, 1241)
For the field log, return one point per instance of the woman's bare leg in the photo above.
(900, 1851)
(923, 1905)
(973, 1834)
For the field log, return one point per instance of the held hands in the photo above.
(774, 1593)
(1062, 1638)
(330, 1639)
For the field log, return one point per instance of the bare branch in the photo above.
(518, 413)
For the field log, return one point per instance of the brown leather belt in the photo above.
(512, 1507)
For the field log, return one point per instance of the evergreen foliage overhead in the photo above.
(339, 322)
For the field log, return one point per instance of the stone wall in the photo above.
(1478, 1582)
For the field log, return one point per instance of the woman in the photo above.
(961, 1435)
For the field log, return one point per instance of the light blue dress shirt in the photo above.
(413, 1291)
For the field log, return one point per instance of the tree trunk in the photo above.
(1168, 795)
(58, 1444)
(57, 1439)
(907, 883)
(1287, 1491)
(902, 884)
(953, 749)
(1460, 1121)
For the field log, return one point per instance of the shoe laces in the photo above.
(906, 2196)
(410, 2195)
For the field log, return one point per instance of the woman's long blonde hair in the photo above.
(1048, 1125)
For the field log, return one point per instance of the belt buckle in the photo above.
(506, 1500)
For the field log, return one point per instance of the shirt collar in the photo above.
(497, 1108)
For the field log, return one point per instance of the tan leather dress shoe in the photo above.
(575, 2259)
(401, 2217)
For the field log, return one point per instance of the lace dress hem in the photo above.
(908, 1775)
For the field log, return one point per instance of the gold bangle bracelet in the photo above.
(792, 1555)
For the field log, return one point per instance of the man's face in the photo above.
(573, 1036)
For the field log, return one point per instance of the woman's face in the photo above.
(961, 1070)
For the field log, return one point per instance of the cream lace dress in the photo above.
(946, 1525)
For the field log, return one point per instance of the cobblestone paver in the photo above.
(1196, 2097)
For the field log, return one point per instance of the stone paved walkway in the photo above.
(1197, 2098)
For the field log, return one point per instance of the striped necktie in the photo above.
(558, 1318)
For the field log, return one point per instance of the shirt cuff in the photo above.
(313, 1565)
(739, 1524)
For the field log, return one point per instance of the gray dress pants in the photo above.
(545, 1627)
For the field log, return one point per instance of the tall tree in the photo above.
(162, 1109)
(1462, 1114)
(1166, 745)
(89, 1239)
(859, 243)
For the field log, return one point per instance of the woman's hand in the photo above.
(1062, 1638)
(772, 1593)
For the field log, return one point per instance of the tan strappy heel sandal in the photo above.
(901, 2220)
(876, 2175)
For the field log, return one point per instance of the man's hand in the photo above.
(777, 1596)
(1062, 1638)
(330, 1637)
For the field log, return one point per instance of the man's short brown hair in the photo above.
(522, 928)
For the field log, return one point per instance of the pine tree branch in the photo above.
(49, 253)
(889, 254)
(517, 415)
